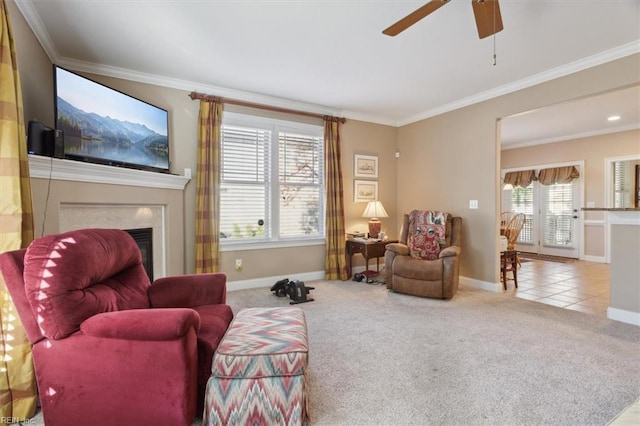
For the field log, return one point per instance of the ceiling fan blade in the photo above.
(414, 17)
(488, 18)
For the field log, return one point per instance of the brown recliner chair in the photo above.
(436, 278)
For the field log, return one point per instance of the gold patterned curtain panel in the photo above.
(207, 245)
(335, 260)
(18, 391)
(555, 175)
(521, 178)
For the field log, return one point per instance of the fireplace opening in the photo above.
(144, 238)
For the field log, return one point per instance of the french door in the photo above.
(551, 212)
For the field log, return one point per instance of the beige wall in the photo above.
(447, 160)
(357, 137)
(593, 151)
(35, 69)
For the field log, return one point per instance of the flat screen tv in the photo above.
(105, 126)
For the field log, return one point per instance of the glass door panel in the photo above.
(551, 218)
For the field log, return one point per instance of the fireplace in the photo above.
(144, 238)
(123, 216)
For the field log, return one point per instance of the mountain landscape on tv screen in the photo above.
(106, 138)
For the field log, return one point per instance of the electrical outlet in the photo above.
(187, 173)
(473, 204)
(238, 265)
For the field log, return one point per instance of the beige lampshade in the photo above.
(374, 210)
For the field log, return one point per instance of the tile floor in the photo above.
(581, 286)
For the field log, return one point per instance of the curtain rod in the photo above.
(200, 96)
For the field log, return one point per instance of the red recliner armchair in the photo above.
(109, 347)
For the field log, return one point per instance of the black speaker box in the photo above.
(58, 142)
(43, 140)
(35, 138)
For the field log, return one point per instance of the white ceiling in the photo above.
(575, 119)
(331, 57)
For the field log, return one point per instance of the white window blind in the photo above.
(522, 202)
(558, 214)
(300, 178)
(244, 188)
(621, 184)
(272, 182)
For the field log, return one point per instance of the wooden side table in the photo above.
(369, 248)
(509, 263)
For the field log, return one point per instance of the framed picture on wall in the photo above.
(365, 191)
(365, 166)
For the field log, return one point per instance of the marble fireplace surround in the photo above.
(74, 216)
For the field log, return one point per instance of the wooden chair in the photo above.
(512, 231)
(508, 263)
(505, 218)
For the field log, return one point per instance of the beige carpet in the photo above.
(482, 358)
(381, 358)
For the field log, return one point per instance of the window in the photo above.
(621, 184)
(522, 202)
(272, 180)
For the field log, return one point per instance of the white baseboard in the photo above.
(269, 281)
(597, 259)
(482, 285)
(319, 275)
(621, 315)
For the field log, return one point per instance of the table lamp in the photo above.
(374, 210)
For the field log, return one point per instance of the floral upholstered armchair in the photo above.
(426, 260)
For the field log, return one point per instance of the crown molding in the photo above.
(369, 118)
(35, 23)
(79, 171)
(191, 86)
(571, 68)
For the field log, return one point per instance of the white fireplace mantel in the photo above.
(56, 168)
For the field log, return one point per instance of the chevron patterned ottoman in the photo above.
(258, 375)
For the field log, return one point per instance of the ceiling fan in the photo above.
(486, 12)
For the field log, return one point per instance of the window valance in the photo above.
(555, 175)
(521, 178)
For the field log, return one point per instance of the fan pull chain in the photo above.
(494, 51)
(495, 61)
